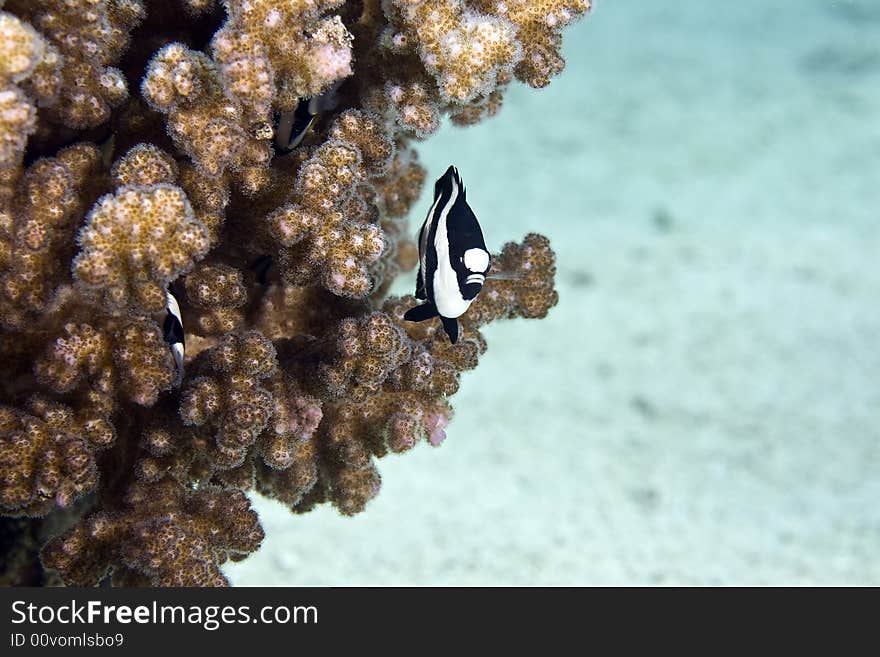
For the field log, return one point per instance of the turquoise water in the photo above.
(703, 405)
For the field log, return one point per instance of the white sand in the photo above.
(703, 405)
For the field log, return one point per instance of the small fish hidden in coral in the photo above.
(261, 266)
(173, 333)
(453, 260)
(293, 126)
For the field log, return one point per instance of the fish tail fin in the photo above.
(421, 313)
(450, 325)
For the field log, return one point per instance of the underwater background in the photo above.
(703, 405)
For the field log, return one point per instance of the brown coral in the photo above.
(530, 291)
(286, 44)
(128, 359)
(463, 49)
(144, 164)
(47, 456)
(458, 57)
(21, 48)
(538, 29)
(207, 124)
(300, 372)
(327, 231)
(164, 534)
(218, 291)
(295, 418)
(135, 242)
(90, 36)
(37, 227)
(232, 400)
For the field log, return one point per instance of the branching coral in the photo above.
(85, 38)
(328, 231)
(463, 49)
(135, 242)
(21, 49)
(230, 398)
(48, 456)
(205, 123)
(458, 56)
(281, 51)
(163, 535)
(137, 161)
(38, 221)
(127, 359)
(538, 26)
(218, 292)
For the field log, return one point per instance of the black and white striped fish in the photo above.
(173, 333)
(453, 260)
(292, 127)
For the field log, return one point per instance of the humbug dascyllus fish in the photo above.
(173, 333)
(261, 266)
(293, 126)
(453, 260)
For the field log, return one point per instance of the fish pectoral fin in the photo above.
(450, 325)
(421, 313)
(504, 276)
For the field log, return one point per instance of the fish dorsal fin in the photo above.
(438, 187)
(449, 177)
(461, 189)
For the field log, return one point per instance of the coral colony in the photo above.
(201, 211)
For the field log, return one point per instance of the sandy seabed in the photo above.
(703, 405)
